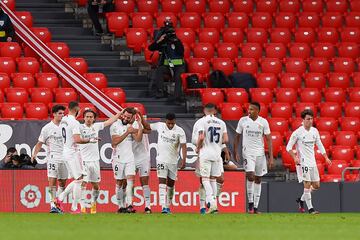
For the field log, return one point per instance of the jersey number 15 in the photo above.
(214, 134)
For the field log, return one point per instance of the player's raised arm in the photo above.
(139, 133)
(112, 119)
(145, 124)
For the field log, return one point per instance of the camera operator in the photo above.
(171, 59)
(98, 6)
(23, 161)
(6, 162)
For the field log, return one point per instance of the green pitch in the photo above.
(179, 226)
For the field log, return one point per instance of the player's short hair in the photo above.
(73, 105)
(307, 112)
(170, 116)
(130, 110)
(89, 111)
(256, 104)
(57, 108)
(10, 150)
(210, 106)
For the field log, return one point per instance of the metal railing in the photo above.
(347, 169)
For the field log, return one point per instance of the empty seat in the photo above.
(41, 95)
(275, 50)
(204, 50)
(344, 65)
(127, 6)
(10, 4)
(292, 6)
(198, 6)
(300, 50)
(356, 79)
(223, 64)
(232, 35)
(281, 110)
(23, 80)
(332, 19)
(350, 34)
(227, 50)
(326, 124)
(346, 138)
(285, 20)
(266, 6)
(59, 48)
(315, 80)
(78, 64)
(295, 65)
(330, 109)
(246, 6)
(142, 20)
(7, 65)
(165, 16)
(49, 80)
(174, 6)
(198, 65)
(231, 111)
(350, 124)
(271, 65)
(286, 95)
(186, 35)
(267, 80)
(257, 35)
(210, 35)
(336, 6)
(10, 49)
(290, 80)
(339, 80)
(352, 109)
(4, 81)
(42, 33)
(305, 35)
(25, 17)
(280, 35)
(319, 65)
(28, 65)
(65, 95)
(190, 20)
(261, 20)
(348, 50)
(16, 95)
(354, 5)
(36, 110)
(326, 139)
(212, 95)
(287, 160)
(116, 94)
(251, 50)
(326, 50)
(11, 110)
(342, 152)
(312, 6)
(310, 95)
(148, 6)
(352, 19)
(309, 19)
(117, 22)
(247, 65)
(335, 95)
(278, 124)
(214, 20)
(236, 95)
(296, 123)
(261, 95)
(136, 38)
(301, 106)
(221, 6)
(354, 94)
(337, 167)
(237, 20)
(99, 80)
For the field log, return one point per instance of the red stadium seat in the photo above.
(278, 124)
(212, 95)
(292, 6)
(236, 95)
(350, 34)
(280, 35)
(300, 50)
(223, 64)
(266, 6)
(41, 95)
(148, 6)
(337, 167)
(214, 20)
(165, 16)
(275, 50)
(286, 95)
(237, 20)
(348, 50)
(354, 94)
(350, 124)
(174, 6)
(330, 109)
(227, 50)
(204, 50)
(346, 138)
(198, 6)
(345, 153)
(117, 22)
(25, 17)
(11, 110)
(261, 95)
(319, 65)
(308, 20)
(295, 123)
(326, 124)
(16, 95)
(285, 20)
(185, 86)
(246, 6)
(36, 110)
(221, 6)
(336, 6)
(301, 106)
(339, 80)
(290, 80)
(186, 35)
(352, 19)
(231, 111)
(315, 80)
(198, 65)
(60, 48)
(84, 107)
(127, 6)
(23, 80)
(138, 106)
(210, 35)
(49, 80)
(65, 95)
(267, 80)
(10, 4)
(251, 50)
(281, 110)
(190, 20)
(326, 50)
(354, 5)
(116, 94)
(257, 35)
(356, 79)
(78, 64)
(271, 65)
(332, 19)
(287, 160)
(344, 65)
(99, 80)
(312, 6)
(326, 139)
(310, 95)
(42, 33)
(261, 20)
(7, 65)
(295, 65)
(151, 57)
(4, 81)
(10, 49)
(305, 35)
(335, 95)
(232, 35)
(136, 38)
(247, 65)
(352, 109)
(263, 110)
(28, 65)
(142, 19)
(1, 96)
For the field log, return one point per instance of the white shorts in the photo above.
(255, 164)
(74, 164)
(122, 170)
(143, 167)
(211, 168)
(308, 174)
(57, 170)
(92, 170)
(166, 170)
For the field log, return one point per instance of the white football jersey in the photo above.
(168, 144)
(51, 136)
(195, 132)
(253, 135)
(141, 149)
(90, 151)
(69, 127)
(305, 142)
(123, 152)
(214, 129)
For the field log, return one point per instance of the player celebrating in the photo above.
(305, 138)
(123, 162)
(212, 135)
(90, 154)
(253, 128)
(51, 136)
(171, 138)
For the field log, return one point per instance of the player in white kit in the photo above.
(253, 128)
(90, 154)
(305, 138)
(171, 138)
(51, 136)
(123, 162)
(212, 135)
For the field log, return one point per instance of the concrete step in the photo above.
(136, 93)
(88, 46)
(127, 70)
(66, 37)
(44, 14)
(70, 31)
(129, 85)
(107, 62)
(178, 115)
(96, 54)
(57, 22)
(125, 77)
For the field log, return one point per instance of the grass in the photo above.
(179, 226)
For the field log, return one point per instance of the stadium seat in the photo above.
(271, 65)
(163, 16)
(263, 110)
(116, 94)
(148, 6)
(237, 20)
(210, 35)
(348, 50)
(350, 34)
(136, 38)
(214, 20)
(41, 95)
(232, 35)
(354, 5)
(321, 168)
(65, 95)
(198, 6)
(48, 80)
(173, 6)
(231, 111)
(338, 80)
(42, 33)
(127, 6)
(261, 20)
(267, 80)
(326, 50)
(309, 19)
(310, 95)
(287, 160)
(117, 22)
(305, 35)
(326, 124)
(247, 65)
(11, 110)
(328, 34)
(227, 50)
(198, 65)
(354, 94)
(350, 124)
(151, 57)
(295, 65)
(290, 80)
(16, 95)
(1, 96)
(352, 19)
(300, 50)
(346, 138)
(257, 35)
(277, 143)
(223, 64)
(186, 35)
(292, 6)
(60, 48)
(142, 19)
(28, 65)
(221, 6)
(25, 17)
(281, 110)
(236, 95)
(251, 50)
(84, 107)
(315, 80)
(319, 65)
(10, 49)
(4, 81)
(301, 106)
(312, 6)
(204, 50)
(285, 20)
(344, 65)
(280, 35)
(275, 50)
(23, 80)
(7, 65)
(190, 20)
(296, 123)
(334, 95)
(330, 109)
(286, 95)
(185, 86)
(332, 19)
(278, 124)
(356, 79)
(337, 167)
(352, 109)
(336, 6)
(78, 64)
(266, 6)
(10, 4)
(99, 80)
(36, 110)
(326, 139)
(246, 6)
(212, 95)
(261, 95)
(345, 153)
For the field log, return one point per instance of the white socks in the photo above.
(129, 192)
(76, 194)
(219, 189)
(213, 184)
(120, 195)
(170, 195)
(250, 191)
(209, 192)
(147, 194)
(162, 195)
(257, 194)
(307, 198)
(67, 190)
(202, 196)
(83, 197)
(52, 192)
(95, 195)
(59, 190)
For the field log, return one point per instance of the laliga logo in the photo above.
(5, 134)
(30, 196)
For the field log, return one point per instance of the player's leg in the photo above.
(120, 195)
(130, 178)
(220, 182)
(260, 170)
(314, 185)
(95, 179)
(144, 171)
(78, 174)
(249, 165)
(87, 168)
(52, 173)
(205, 170)
(202, 197)
(162, 175)
(171, 178)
